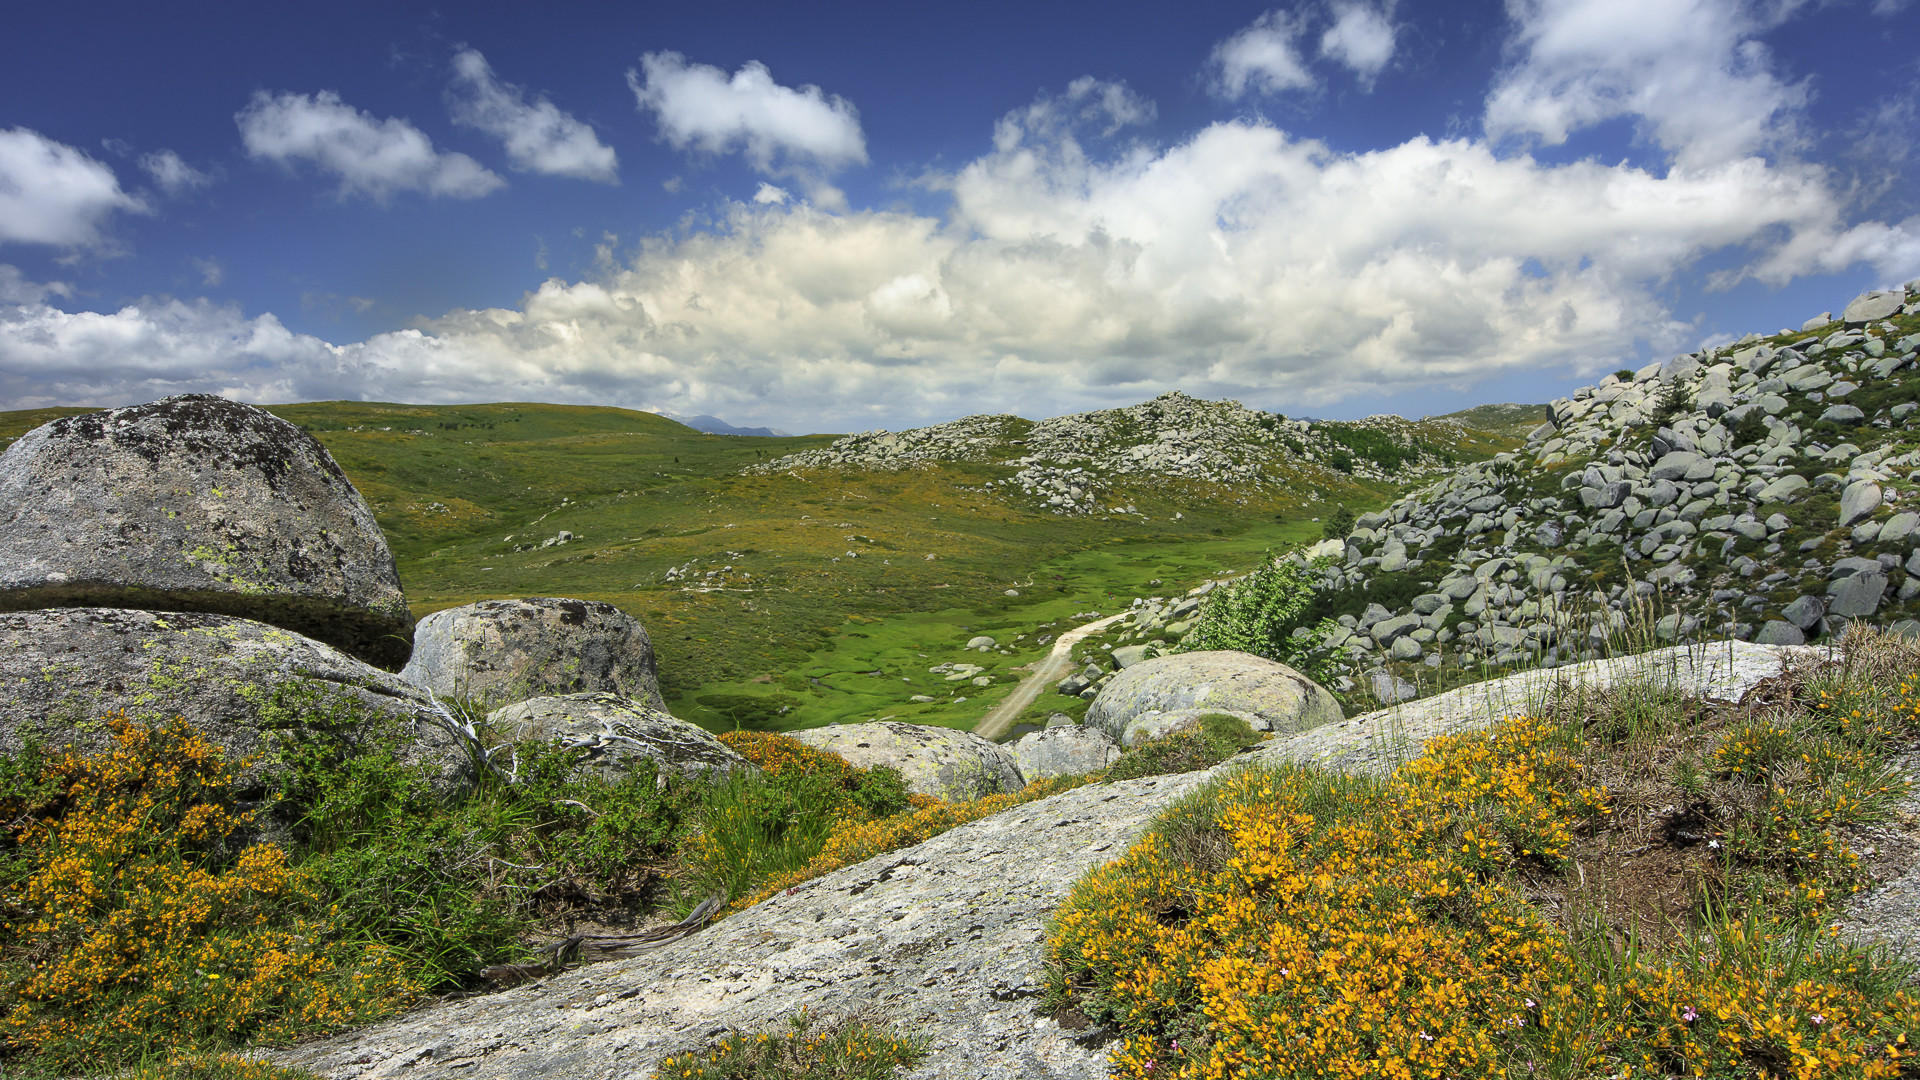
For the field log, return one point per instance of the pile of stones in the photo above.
(1764, 490)
(1073, 465)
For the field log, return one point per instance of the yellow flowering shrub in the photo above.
(1291, 923)
(129, 924)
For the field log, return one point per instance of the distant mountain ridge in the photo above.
(713, 425)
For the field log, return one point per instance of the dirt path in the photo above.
(999, 719)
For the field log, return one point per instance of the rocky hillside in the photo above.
(1087, 463)
(1759, 490)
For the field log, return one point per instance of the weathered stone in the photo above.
(1155, 725)
(1675, 466)
(1873, 306)
(941, 762)
(1897, 528)
(1860, 499)
(1222, 681)
(1126, 656)
(1856, 596)
(1067, 750)
(500, 651)
(63, 669)
(610, 732)
(980, 641)
(197, 503)
(1804, 612)
(1843, 414)
(1785, 489)
(1775, 632)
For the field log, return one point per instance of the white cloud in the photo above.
(1691, 72)
(212, 271)
(51, 193)
(1264, 58)
(375, 158)
(16, 289)
(173, 174)
(805, 134)
(1241, 262)
(769, 194)
(1361, 37)
(539, 137)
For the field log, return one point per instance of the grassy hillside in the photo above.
(789, 599)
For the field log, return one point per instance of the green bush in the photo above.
(1208, 741)
(1258, 614)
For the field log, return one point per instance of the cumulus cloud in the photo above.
(1361, 37)
(1241, 262)
(805, 134)
(171, 172)
(51, 193)
(375, 158)
(539, 137)
(16, 289)
(1692, 73)
(1264, 58)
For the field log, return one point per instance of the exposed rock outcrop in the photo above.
(610, 732)
(1068, 749)
(64, 669)
(941, 762)
(501, 651)
(1212, 681)
(197, 503)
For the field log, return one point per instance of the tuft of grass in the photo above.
(811, 1048)
(1202, 744)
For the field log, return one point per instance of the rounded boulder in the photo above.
(247, 686)
(609, 732)
(1219, 681)
(197, 503)
(941, 762)
(1068, 750)
(497, 652)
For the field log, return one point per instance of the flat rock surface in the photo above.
(63, 669)
(944, 938)
(1381, 741)
(609, 730)
(197, 503)
(501, 651)
(941, 762)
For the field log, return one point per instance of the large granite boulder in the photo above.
(197, 503)
(1068, 750)
(610, 732)
(1221, 681)
(941, 762)
(500, 651)
(242, 683)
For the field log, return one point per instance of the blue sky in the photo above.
(872, 215)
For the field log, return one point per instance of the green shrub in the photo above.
(1208, 741)
(1258, 614)
(844, 1049)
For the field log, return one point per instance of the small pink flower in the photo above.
(1689, 1016)
(1818, 1019)
(1426, 1036)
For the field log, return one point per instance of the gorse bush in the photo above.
(131, 924)
(1287, 922)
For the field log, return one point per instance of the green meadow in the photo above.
(790, 600)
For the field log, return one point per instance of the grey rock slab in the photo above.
(1126, 656)
(197, 503)
(1380, 741)
(941, 762)
(945, 938)
(609, 732)
(1843, 414)
(497, 652)
(1067, 750)
(1804, 612)
(1897, 528)
(1857, 595)
(1676, 465)
(1873, 306)
(1219, 680)
(1860, 499)
(1785, 489)
(63, 669)
(1775, 632)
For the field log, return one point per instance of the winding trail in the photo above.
(1053, 668)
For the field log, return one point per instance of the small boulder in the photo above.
(610, 732)
(1860, 499)
(238, 681)
(197, 503)
(1071, 750)
(941, 762)
(1220, 681)
(1775, 632)
(501, 651)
